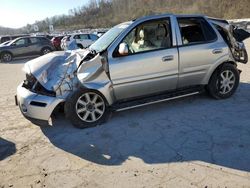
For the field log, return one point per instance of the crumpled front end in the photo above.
(53, 74)
(50, 79)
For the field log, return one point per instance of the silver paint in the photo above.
(124, 77)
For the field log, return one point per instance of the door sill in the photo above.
(136, 103)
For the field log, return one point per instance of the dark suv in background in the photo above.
(25, 46)
(10, 37)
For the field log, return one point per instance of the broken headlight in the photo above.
(29, 82)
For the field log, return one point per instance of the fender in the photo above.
(92, 75)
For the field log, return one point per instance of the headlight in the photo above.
(44, 77)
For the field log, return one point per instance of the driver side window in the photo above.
(148, 36)
(20, 42)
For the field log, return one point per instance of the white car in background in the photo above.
(82, 40)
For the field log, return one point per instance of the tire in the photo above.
(224, 82)
(6, 57)
(45, 50)
(80, 46)
(84, 110)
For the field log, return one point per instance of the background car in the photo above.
(25, 46)
(10, 37)
(56, 41)
(5, 43)
(83, 40)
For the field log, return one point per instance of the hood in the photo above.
(51, 69)
(4, 47)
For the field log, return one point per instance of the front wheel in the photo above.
(224, 82)
(6, 57)
(86, 108)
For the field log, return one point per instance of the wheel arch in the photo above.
(6, 51)
(44, 47)
(212, 69)
(80, 45)
(106, 90)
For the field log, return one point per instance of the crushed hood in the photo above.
(54, 69)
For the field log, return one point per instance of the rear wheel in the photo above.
(224, 82)
(86, 108)
(6, 57)
(46, 51)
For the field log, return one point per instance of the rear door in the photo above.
(199, 49)
(34, 46)
(151, 66)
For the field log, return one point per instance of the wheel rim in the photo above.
(227, 82)
(46, 51)
(6, 57)
(90, 107)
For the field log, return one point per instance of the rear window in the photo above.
(44, 40)
(196, 30)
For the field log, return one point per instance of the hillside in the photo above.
(9, 31)
(106, 13)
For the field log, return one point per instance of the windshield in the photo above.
(11, 42)
(104, 41)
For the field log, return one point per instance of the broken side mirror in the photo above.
(123, 49)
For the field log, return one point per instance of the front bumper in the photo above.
(36, 106)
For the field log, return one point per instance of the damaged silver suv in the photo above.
(148, 60)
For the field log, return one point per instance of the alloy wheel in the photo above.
(227, 82)
(46, 51)
(90, 107)
(7, 57)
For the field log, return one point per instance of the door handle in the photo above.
(168, 58)
(217, 51)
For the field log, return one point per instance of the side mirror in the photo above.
(13, 44)
(123, 49)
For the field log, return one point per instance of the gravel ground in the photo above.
(192, 142)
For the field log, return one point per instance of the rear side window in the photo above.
(93, 37)
(195, 30)
(34, 40)
(44, 40)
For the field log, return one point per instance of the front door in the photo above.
(21, 47)
(151, 65)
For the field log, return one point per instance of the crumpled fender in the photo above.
(92, 75)
(235, 42)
